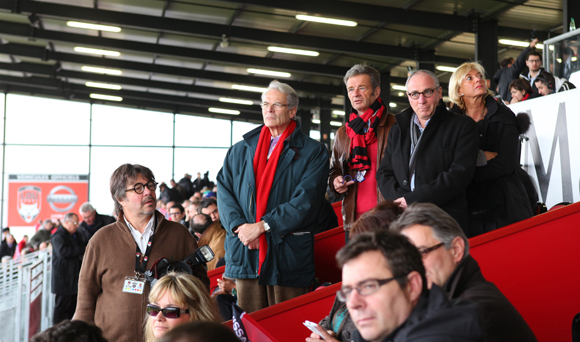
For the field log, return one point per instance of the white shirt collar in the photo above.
(142, 239)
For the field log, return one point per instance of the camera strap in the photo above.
(141, 265)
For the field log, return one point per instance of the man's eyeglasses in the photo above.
(367, 287)
(168, 312)
(276, 105)
(427, 93)
(425, 251)
(140, 187)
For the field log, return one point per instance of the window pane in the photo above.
(36, 120)
(133, 127)
(241, 128)
(194, 160)
(196, 131)
(105, 160)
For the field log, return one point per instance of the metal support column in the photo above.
(570, 9)
(386, 87)
(325, 122)
(424, 58)
(486, 48)
(305, 120)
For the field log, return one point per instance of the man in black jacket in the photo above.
(431, 153)
(68, 248)
(445, 251)
(92, 221)
(387, 298)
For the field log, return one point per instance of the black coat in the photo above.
(496, 193)
(7, 250)
(186, 184)
(503, 77)
(437, 319)
(444, 167)
(501, 320)
(67, 257)
(100, 221)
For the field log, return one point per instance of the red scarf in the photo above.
(264, 171)
(359, 140)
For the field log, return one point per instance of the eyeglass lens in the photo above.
(170, 312)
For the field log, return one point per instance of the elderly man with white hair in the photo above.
(92, 221)
(271, 187)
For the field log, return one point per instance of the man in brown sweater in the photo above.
(112, 290)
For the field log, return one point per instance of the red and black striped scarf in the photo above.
(359, 140)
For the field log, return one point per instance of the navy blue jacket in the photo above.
(295, 199)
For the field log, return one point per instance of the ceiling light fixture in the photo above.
(445, 68)
(97, 51)
(269, 72)
(106, 97)
(323, 20)
(103, 85)
(237, 101)
(392, 105)
(224, 111)
(401, 94)
(338, 112)
(519, 43)
(399, 87)
(293, 51)
(315, 121)
(102, 70)
(336, 123)
(89, 26)
(249, 88)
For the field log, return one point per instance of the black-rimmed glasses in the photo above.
(427, 93)
(425, 251)
(168, 312)
(365, 288)
(140, 187)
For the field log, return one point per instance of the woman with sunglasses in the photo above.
(496, 196)
(175, 299)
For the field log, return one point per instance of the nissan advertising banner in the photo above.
(34, 197)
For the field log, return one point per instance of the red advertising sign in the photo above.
(40, 197)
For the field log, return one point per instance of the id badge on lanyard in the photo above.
(136, 284)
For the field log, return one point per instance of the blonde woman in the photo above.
(496, 196)
(176, 299)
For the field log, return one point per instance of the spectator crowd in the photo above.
(414, 187)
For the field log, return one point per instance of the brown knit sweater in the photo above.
(214, 236)
(109, 258)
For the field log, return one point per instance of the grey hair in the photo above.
(285, 89)
(70, 216)
(444, 227)
(86, 208)
(423, 71)
(363, 69)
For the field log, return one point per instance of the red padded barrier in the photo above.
(284, 321)
(337, 206)
(326, 244)
(535, 264)
(214, 275)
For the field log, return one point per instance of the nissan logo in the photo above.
(68, 196)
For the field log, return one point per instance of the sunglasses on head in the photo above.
(168, 312)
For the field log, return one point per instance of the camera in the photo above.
(161, 267)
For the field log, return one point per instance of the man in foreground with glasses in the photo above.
(112, 287)
(68, 248)
(271, 188)
(360, 144)
(445, 251)
(386, 294)
(431, 153)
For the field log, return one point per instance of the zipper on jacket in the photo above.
(251, 196)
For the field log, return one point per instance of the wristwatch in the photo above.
(266, 227)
